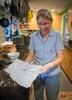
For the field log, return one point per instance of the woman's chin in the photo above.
(44, 32)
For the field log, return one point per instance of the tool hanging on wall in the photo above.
(4, 22)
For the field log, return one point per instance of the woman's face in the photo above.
(44, 25)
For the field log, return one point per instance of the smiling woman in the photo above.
(46, 49)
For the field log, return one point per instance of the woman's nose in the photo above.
(43, 26)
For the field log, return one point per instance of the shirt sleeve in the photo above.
(31, 44)
(59, 42)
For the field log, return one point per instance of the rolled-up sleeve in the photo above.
(31, 44)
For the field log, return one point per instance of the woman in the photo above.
(46, 48)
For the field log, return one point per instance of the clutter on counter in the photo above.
(8, 46)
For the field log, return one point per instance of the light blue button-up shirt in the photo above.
(46, 51)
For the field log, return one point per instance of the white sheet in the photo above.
(22, 72)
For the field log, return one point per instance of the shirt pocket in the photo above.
(49, 52)
(38, 51)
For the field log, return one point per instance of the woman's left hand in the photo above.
(46, 68)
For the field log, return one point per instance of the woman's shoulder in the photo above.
(56, 32)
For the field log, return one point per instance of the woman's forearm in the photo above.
(59, 59)
(30, 56)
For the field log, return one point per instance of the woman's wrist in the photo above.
(50, 65)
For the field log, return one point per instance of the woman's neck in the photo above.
(45, 34)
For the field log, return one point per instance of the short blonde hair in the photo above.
(44, 13)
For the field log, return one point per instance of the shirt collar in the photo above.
(50, 33)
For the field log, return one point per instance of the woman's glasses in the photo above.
(41, 24)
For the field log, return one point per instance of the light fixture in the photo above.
(53, 10)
